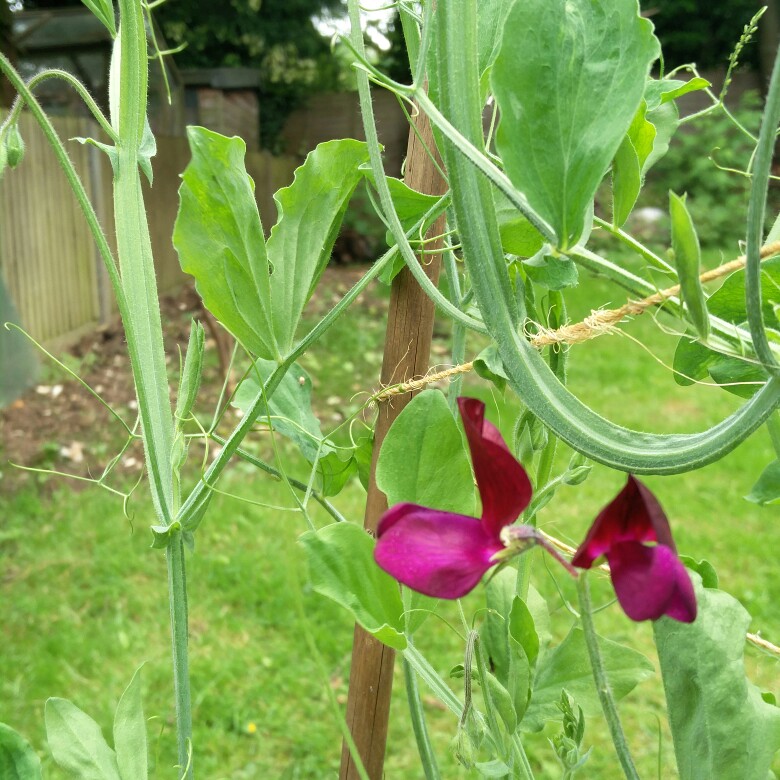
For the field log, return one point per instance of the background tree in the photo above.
(278, 37)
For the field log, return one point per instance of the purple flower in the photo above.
(443, 554)
(650, 580)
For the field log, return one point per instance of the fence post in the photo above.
(407, 352)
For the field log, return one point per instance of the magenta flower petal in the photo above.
(503, 485)
(633, 516)
(440, 554)
(651, 582)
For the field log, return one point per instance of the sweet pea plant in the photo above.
(535, 104)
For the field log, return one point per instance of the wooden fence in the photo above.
(48, 260)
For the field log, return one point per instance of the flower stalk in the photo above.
(603, 689)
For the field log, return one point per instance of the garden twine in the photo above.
(598, 323)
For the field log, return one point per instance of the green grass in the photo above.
(83, 599)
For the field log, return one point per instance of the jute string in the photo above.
(596, 324)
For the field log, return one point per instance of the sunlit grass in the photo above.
(83, 598)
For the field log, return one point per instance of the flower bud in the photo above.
(3, 158)
(530, 436)
(578, 470)
(14, 146)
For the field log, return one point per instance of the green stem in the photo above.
(651, 257)
(417, 714)
(297, 484)
(55, 73)
(177, 595)
(603, 688)
(773, 426)
(755, 232)
(390, 217)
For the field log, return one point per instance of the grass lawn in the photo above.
(83, 599)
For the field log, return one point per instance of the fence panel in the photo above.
(47, 257)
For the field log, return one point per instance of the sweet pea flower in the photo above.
(444, 554)
(649, 580)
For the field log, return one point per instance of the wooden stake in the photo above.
(407, 352)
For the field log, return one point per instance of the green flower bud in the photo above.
(3, 157)
(578, 470)
(14, 146)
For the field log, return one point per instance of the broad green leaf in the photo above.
(417, 609)
(568, 79)
(342, 568)
(334, 471)
(490, 25)
(767, 488)
(18, 760)
(554, 273)
(721, 726)
(77, 744)
(130, 733)
(518, 235)
(310, 213)
(219, 238)
(423, 460)
(289, 409)
(567, 666)
(687, 258)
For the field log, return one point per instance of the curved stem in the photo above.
(627, 239)
(603, 689)
(56, 73)
(757, 207)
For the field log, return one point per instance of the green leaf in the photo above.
(554, 273)
(492, 769)
(310, 213)
(18, 760)
(76, 742)
(342, 568)
(567, 666)
(660, 91)
(518, 235)
(130, 733)
(704, 569)
(219, 238)
(334, 472)
(568, 79)
(289, 408)
(411, 206)
(423, 460)
(728, 303)
(104, 10)
(490, 25)
(489, 366)
(502, 702)
(687, 257)
(364, 452)
(494, 634)
(522, 629)
(721, 726)
(189, 381)
(626, 181)
(665, 120)
(767, 489)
